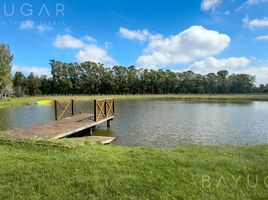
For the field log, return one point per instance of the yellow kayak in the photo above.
(43, 102)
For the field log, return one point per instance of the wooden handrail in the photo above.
(66, 109)
(103, 108)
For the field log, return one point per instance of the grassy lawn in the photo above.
(112, 172)
(204, 97)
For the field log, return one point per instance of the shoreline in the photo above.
(22, 101)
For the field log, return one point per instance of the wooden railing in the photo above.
(103, 109)
(63, 109)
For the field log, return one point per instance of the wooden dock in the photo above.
(66, 127)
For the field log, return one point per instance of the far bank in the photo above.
(21, 101)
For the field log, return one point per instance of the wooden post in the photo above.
(72, 107)
(105, 108)
(55, 110)
(95, 110)
(113, 107)
(90, 131)
(108, 123)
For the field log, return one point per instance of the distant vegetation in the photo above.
(93, 78)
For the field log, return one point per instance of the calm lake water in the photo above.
(165, 123)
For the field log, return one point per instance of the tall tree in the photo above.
(46, 85)
(19, 83)
(90, 77)
(121, 79)
(211, 86)
(6, 58)
(33, 85)
(133, 80)
(223, 83)
(74, 76)
(241, 83)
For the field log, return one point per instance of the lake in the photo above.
(165, 123)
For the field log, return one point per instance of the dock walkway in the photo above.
(68, 126)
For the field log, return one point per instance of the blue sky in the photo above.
(204, 36)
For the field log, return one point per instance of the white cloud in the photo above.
(262, 37)
(238, 65)
(95, 54)
(255, 23)
(28, 24)
(31, 25)
(212, 64)
(42, 28)
(88, 50)
(260, 72)
(90, 39)
(250, 3)
(207, 5)
(68, 41)
(254, 2)
(140, 35)
(195, 42)
(38, 71)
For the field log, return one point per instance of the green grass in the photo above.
(204, 97)
(111, 172)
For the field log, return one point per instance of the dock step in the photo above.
(100, 139)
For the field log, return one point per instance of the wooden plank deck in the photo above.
(62, 128)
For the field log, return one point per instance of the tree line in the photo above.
(94, 78)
